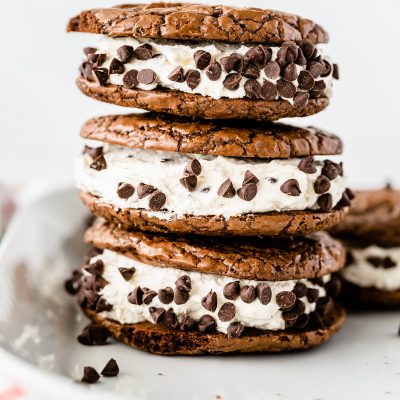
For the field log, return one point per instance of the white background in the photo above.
(41, 110)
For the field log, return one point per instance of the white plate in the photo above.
(39, 323)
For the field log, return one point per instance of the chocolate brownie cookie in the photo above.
(269, 67)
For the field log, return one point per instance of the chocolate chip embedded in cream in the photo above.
(248, 293)
(93, 152)
(180, 296)
(92, 299)
(312, 295)
(330, 169)
(125, 190)
(130, 79)
(305, 80)
(231, 82)
(317, 281)
(170, 319)
(227, 312)
(291, 187)
(268, 91)
(307, 47)
(249, 177)
(201, 59)
(189, 182)
(143, 52)
(264, 293)
(300, 99)
(272, 70)
(125, 53)
(96, 59)
(251, 71)
(90, 375)
(252, 89)
(111, 369)
(226, 189)
(300, 289)
(193, 167)
(100, 76)
(289, 73)
(214, 71)
(248, 191)
(388, 263)
(127, 273)
(318, 89)
(334, 286)
(86, 70)
(325, 202)
(148, 295)
(322, 184)
(89, 50)
(285, 300)
(285, 89)
(158, 314)
(335, 73)
(345, 201)
(157, 200)
(166, 295)
(233, 62)
(96, 268)
(144, 190)
(177, 75)
(287, 53)
(193, 78)
(324, 305)
(290, 318)
(186, 323)
(209, 302)
(235, 329)
(184, 282)
(302, 321)
(99, 163)
(116, 67)
(146, 76)
(300, 60)
(374, 261)
(259, 54)
(326, 68)
(136, 296)
(102, 305)
(232, 290)
(299, 307)
(315, 68)
(207, 324)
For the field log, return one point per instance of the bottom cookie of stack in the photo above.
(172, 295)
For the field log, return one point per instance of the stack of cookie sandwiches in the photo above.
(207, 238)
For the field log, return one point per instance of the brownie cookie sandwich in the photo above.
(371, 232)
(214, 62)
(168, 174)
(183, 295)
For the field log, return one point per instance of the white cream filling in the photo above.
(362, 273)
(137, 165)
(253, 314)
(172, 54)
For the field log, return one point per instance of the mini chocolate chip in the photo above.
(235, 329)
(186, 323)
(286, 89)
(189, 182)
(330, 169)
(93, 334)
(184, 282)
(302, 321)
(214, 71)
(143, 52)
(324, 305)
(205, 190)
(232, 290)
(289, 73)
(157, 200)
(130, 79)
(180, 296)
(231, 82)
(325, 202)
(272, 70)
(312, 295)
(333, 287)
(322, 184)
(249, 177)
(300, 99)
(285, 300)
(349, 258)
(315, 69)
(251, 71)
(335, 73)
(307, 47)
(127, 273)
(207, 324)
(259, 54)
(327, 68)
(233, 62)
(177, 75)
(96, 59)
(299, 307)
(209, 302)
(72, 286)
(144, 190)
(89, 50)
(86, 70)
(146, 76)
(93, 152)
(148, 295)
(95, 268)
(125, 53)
(320, 86)
(374, 261)
(111, 369)
(307, 166)
(100, 77)
(193, 78)
(268, 91)
(158, 314)
(248, 191)
(116, 67)
(227, 312)
(99, 163)
(264, 293)
(300, 289)
(291, 187)
(125, 190)
(92, 299)
(300, 60)
(201, 59)
(248, 293)
(170, 319)
(317, 281)
(90, 375)
(316, 320)
(252, 89)
(136, 296)
(226, 189)
(306, 81)
(388, 263)
(345, 201)
(193, 167)
(166, 295)
(287, 53)
(290, 318)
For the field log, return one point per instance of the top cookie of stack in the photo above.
(213, 62)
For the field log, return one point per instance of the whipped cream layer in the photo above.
(169, 54)
(254, 314)
(163, 170)
(374, 267)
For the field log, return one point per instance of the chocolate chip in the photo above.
(136, 296)
(95, 268)
(285, 300)
(234, 62)
(299, 307)
(72, 286)
(102, 305)
(158, 314)
(300, 289)
(100, 77)
(268, 91)
(189, 182)
(214, 71)
(202, 59)
(349, 258)
(94, 334)
(170, 319)
(388, 263)
(148, 295)
(193, 167)
(300, 60)
(330, 169)
(317, 281)
(264, 293)
(144, 190)
(259, 54)
(316, 320)
(184, 282)
(207, 324)
(90, 375)
(232, 290)
(116, 67)
(291, 187)
(248, 191)
(86, 71)
(318, 89)
(286, 89)
(177, 75)
(374, 261)
(92, 298)
(252, 89)
(231, 82)
(251, 71)
(248, 293)
(302, 321)
(209, 302)
(249, 177)
(93, 152)
(227, 312)
(146, 76)
(325, 202)
(307, 47)
(347, 196)
(326, 68)
(272, 70)
(180, 296)
(130, 79)
(333, 287)
(289, 73)
(290, 318)
(235, 329)
(324, 305)
(157, 200)
(143, 52)
(322, 184)
(111, 369)
(125, 190)
(312, 295)
(166, 295)
(193, 78)
(89, 50)
(307, 166)
(96, 59)
(125, 53)
(335, 73)
(127, 273)
(300, 99)
(226, 189)
(186, 323)
(306, 81)
(287, 53)
(315, 69)
(99, 163)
